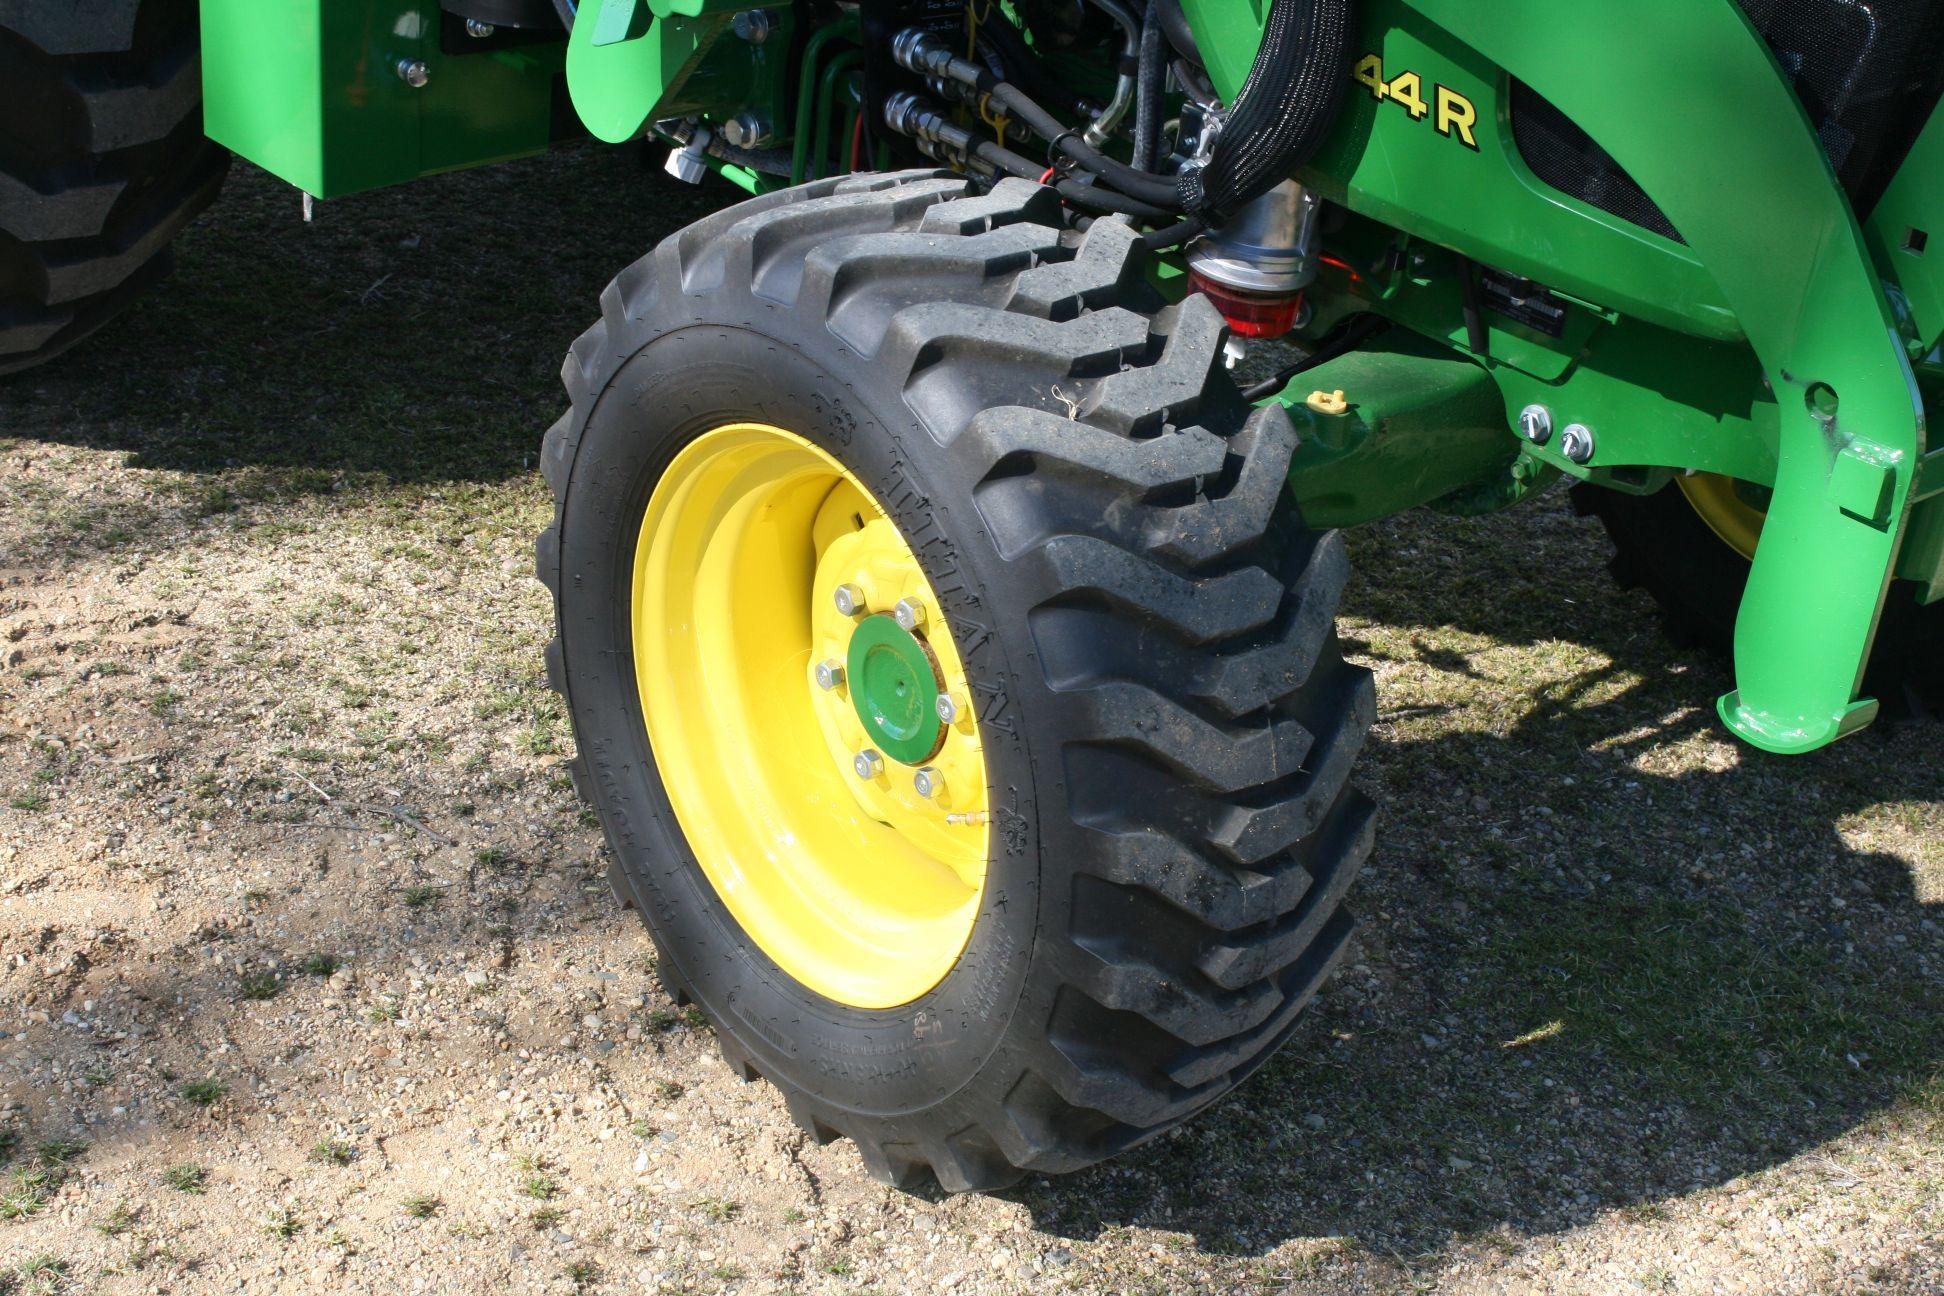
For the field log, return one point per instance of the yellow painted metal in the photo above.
(1719, 502)
(862, 890)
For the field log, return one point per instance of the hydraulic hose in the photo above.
(1284, 110)
(1102, 126)
(1151, 78)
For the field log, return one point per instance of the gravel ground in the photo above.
(310, 978)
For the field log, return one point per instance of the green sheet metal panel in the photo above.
(310, 91)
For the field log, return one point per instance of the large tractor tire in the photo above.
(957, 687)
(1688, 546)
(102, 162)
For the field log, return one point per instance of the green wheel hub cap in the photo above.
(894, 684)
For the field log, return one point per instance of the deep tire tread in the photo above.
(1159, 522)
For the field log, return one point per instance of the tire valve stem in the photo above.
(970, 817)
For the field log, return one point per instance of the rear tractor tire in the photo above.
(102, 162)
(1688, 547)
(956, 685)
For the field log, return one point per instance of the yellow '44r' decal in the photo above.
(1455, 115)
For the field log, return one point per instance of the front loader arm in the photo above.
(1686, 97)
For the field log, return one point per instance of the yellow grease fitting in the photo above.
(863, 891)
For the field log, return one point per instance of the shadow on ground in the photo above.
(407, 335)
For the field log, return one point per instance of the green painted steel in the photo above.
(893, 683)
(844, 28)
(633, 71)
(310, 91)
(1423, 423)
(1906, 233)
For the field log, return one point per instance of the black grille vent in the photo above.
(1869, 73)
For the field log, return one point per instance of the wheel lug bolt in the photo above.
(868, 764)
(928, 782)
(948, 708)
(850, 599)
(909, 613)
(830, 674)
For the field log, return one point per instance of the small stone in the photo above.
(1314, 1121)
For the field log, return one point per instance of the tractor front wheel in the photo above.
(957, 688)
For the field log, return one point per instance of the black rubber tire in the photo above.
(102, 162)
(1662, 547)
(1147, 629)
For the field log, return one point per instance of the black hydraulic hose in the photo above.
(1284, 110)
(1174, 235)
(1150, 80)
(1092, 197)
(1344, 337)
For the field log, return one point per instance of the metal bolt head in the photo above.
(868, 764)
(753, 25)
(747, 130)
(948, 708)
(909, 613)
(1535, 424)
(1576, 443)
(849, 598)
(478, 30)
(414, 73)
(830, 673)
(928, 782)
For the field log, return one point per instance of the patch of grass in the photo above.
(544, 1218)
(258, 985)
(333, 1152)
(118, 1221)
(27, 1190)
(320, 965)
(540, 1187)
(42, 1273)
(582, 1273)
(282, 1223)
(642, 1129)
(668, 1090)
(385, 1010)
(491, 857)
(29, 801)
(58, 1152)
(717, 1210)
(421, 1207)
(97, 1076)
(418, 897)
(187, 1178)
(204, 1093)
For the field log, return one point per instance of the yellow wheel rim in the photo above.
(1719, 502)
(847, 875)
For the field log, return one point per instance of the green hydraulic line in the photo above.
(826, 96)
(844, 28)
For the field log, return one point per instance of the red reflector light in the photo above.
(1250, 315)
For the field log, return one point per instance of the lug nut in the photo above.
(414, 73)
(928, 782)
(478, 30)
(909, 613)
(948, 708)
(1535, 424)
(868, 764)
(829, 674)
(850, 599)
(1576, 443)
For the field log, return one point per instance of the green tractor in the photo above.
(948, 635)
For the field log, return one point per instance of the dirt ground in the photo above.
(310, 979)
